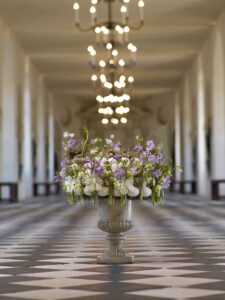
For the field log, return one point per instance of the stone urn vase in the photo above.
(115, 219)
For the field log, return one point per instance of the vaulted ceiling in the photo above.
(173, 33)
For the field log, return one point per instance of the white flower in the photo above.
(108, 141)
(114, 167)
(93, 151)
(93, 184)
(132, 191)
(88, 190)
(72, 185)
(89, 185)
(66, 134)
(69, 184)
(125, 187)
(113, 163)
(117, 148)
(117, 193)
(98, 184)
(136, 160)
(103, 161)
(87, 173)
(125, 161)
(103, 191)
(146, 191)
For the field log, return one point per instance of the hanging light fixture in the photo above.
(110, 80)
(111, 34)
(103, 29)
(112, 58)
(113, 91)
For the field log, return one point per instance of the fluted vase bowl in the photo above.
(115, 219)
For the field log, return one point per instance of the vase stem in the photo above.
(115, 219)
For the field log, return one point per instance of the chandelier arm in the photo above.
(137, 27)
(104, 23)
(93, 27)
(114, 24)
(84, 29)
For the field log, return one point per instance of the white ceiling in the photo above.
(174, 31)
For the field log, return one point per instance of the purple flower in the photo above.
(156, 173)
(116, 157)
(152, 158)
(138, 148)
(161, 162)
(71, 143)
(117, 146)
(58, 178)
(150, 145)
(86, 160)
(159, 154)
(166, 182)
(119, 173)
(93, 142)
(98, 169)
(63, 163)
(143, 154)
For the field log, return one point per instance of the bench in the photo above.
(181, 186)
(215, 191)
(13, 191)
(46, 187)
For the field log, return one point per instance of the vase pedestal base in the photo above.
(116, 253)
(110, 260)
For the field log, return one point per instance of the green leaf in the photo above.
(85, 140)
(178, 169)
(139, 138)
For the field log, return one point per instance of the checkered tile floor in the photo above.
(48, 251)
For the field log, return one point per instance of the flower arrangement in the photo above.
(107, 169)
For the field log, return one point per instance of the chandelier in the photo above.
(110, 80)
(112, 57)
(113, 94)
(103, 29)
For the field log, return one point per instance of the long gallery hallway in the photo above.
(48, 251)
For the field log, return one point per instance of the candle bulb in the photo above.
(92, 55)
(76, 8)
(123, 11)
(120, 34)
(126, 33)
(133, 50)
(109, 47)
(93, 15)
(97, 34)
(141, 5)
(93, 60)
